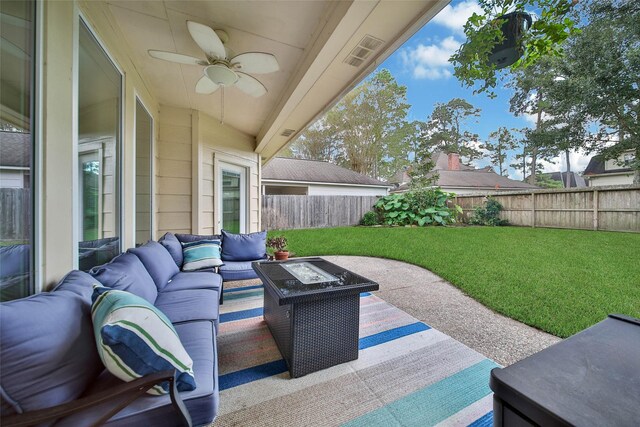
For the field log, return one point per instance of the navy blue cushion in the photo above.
(237, 270)
(157, 261)
(186, 238)
(173, 246)
(189, 304)
(194, 280)
(244, 247)
(199, 340)
(127, 273)
(48, 353)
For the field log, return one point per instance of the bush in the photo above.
(489, 214)
(370, 218)
(420, 207)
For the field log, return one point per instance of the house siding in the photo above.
(344, 190)
(58, 233)
(173, 171)
(221, 143)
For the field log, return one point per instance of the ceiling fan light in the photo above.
(221, 75)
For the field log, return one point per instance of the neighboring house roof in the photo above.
(15, 149)
(596, 166)
(575, 180)
(468, 177)
(301, 170)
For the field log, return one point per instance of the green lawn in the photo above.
(560, 281)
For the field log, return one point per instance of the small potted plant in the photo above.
(279, 246)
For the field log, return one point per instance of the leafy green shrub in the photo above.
(370, 218)
(420, 207)
(489, 214)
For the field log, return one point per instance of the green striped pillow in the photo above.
(135, 339)
(201, 254)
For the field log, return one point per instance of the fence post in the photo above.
(595, 210)
(533, 210)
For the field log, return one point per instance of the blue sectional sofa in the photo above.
(48, 354)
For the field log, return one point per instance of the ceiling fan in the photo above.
(219, 69)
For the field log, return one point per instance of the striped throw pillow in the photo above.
(135, 339)
(201, 254)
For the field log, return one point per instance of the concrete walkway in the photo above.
(438, 303)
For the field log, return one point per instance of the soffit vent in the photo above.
(288, 132)
(363, 50)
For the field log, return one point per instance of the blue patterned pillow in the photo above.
(135, 339)
(201, 254)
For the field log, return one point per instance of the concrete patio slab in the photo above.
(438, 303)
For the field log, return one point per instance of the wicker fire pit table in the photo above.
(312, 308)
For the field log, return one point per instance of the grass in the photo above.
(560, 281)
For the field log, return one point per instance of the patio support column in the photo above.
(58, 237)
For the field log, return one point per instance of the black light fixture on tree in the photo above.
(510, 49)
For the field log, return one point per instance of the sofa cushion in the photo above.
(189, 304)
(201, 254)
(127, 273)
(173, 246)
(47, 350)
(194, 280)
(96, 252)
(238, 270)
(135, 339)
(157, 261)
(199, 341)
(184, 238)
(244, 247)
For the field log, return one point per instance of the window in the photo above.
(144, 141)
(16, 148)
(99, 164)
(233, 204)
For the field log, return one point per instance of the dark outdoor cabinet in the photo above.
(589, 379)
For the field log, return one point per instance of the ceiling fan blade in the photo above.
(250, 86)
(207, 39)
(176, 57)
(205, 86)
(256, 62)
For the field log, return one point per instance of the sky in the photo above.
(422, 65)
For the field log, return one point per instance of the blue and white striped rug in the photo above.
(407, 374)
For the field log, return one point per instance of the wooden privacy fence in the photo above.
(280, 212)
(615, 208)
(15, 213)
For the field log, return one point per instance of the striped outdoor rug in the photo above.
(407, 374)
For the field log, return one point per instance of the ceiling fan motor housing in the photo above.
(221, 75)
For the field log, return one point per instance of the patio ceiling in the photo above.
(311, 40)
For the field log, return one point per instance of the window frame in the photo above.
(80, 19)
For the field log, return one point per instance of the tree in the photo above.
(554, 25)
(421, 171)
(315, 143)
(444, 130)
(366, 131)
(601, 84)
(499, 143)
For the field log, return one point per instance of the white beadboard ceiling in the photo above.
(310, 39)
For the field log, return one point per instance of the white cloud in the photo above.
(454, 17)
(430, 61)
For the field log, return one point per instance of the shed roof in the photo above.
(301, 170)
